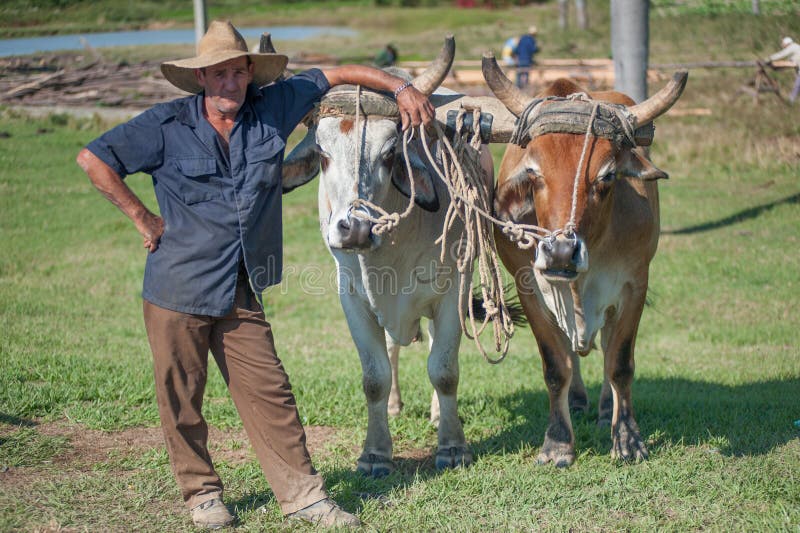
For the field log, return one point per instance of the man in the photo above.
(525, 50)
(215, 158)
(791, 51)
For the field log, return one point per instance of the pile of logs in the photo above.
(97, 83)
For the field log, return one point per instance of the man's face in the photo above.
(225, 84)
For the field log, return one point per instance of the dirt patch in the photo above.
(88, 447)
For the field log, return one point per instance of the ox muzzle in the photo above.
(352, 231)
(562, 257)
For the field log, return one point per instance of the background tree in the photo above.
(580, 14)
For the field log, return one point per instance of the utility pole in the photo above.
(200, 20)
(756, 7)
(630, 46)
(581, 15)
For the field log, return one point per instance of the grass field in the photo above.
(717, 389)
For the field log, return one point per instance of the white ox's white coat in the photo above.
(384, 291)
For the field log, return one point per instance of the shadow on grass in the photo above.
(12, 420)
(738, 420)
(741, 216)
(352, 490)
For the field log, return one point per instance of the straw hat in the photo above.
(533, 30)
(221, 43)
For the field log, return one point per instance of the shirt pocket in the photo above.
(197, 182)
(264, 159)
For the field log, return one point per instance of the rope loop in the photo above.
(517, 234)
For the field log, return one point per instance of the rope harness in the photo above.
(462, 174)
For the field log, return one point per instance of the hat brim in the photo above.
(180, 73)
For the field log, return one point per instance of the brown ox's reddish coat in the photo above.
(619, 223)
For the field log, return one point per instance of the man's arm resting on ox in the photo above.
(108, 182)
(415, 108)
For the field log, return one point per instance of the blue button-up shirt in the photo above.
(526, 48)
(217, 208)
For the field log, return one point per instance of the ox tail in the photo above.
(513, 305)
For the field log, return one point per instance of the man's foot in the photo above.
(325, 513)
(212, 515)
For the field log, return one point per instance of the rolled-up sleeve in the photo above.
(135, 146)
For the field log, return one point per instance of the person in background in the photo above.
(215, 158)
(386, 57)
(790, 50)
(526, 48)
(507, 55)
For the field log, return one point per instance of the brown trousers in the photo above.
(243, 347)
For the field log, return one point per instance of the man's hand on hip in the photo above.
(151, 228)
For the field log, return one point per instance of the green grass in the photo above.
(718, 364)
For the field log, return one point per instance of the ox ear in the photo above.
(302, 164)
(636, 164)
(513, 199)
(424, 192)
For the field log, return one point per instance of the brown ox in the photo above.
(592, 276)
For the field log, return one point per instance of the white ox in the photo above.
(388, 282)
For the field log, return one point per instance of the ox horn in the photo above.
(503, 88)
(434, 75)
(659, 103)
(265, 46)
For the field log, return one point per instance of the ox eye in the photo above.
(536, 178)
(608, 177)
(533, 173)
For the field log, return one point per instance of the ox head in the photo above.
(539, 180)
(363, 159)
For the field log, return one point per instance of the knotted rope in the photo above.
(470, 198)
(386, 222)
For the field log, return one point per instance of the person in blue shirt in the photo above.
(215, 160)
(507, 55)
(525, 50)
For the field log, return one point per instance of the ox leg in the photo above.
(443, 373)
(559, 440)
(605, 407)
(578, 399)
(369, 337)
(395, 401)
(626, 441)
(435, 410)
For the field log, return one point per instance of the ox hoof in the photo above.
(453, 457)
(627, 445)
(561, 455)
(374, 465)
(395, 408)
